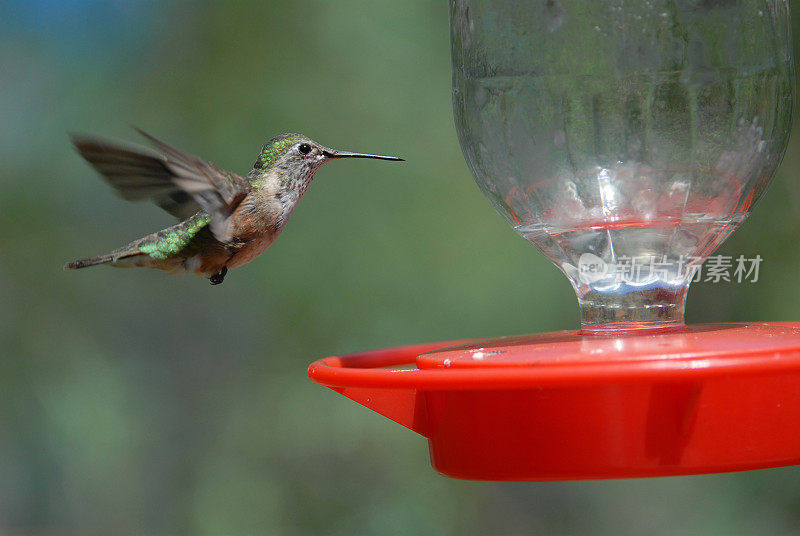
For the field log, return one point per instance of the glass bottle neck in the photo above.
(652, 308)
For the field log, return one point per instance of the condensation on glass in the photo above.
(625, 140)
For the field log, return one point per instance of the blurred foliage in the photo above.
(132, 402)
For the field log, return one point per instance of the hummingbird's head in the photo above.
(295, 158)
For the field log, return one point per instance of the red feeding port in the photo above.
(707, 399)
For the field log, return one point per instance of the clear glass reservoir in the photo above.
(626, 140)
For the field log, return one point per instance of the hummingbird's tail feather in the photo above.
(121, 257)
(91, 261)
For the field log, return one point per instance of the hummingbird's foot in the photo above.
(219, 277)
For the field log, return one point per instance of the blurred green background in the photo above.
(132, 402)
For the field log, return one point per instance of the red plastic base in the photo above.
(563, 406)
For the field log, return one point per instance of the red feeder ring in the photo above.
(561, 406)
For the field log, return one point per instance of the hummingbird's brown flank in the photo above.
(227, 219)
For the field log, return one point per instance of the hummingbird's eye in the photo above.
(304, 148)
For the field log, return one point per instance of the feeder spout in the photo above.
(403, 406)
(364, 379)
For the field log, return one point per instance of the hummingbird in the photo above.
(227, 219)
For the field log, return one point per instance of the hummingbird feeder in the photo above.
(626, 142)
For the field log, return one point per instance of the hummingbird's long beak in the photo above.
(348, 154)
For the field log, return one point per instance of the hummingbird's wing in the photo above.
(136, 172)
(176, 181)
(218, 191)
